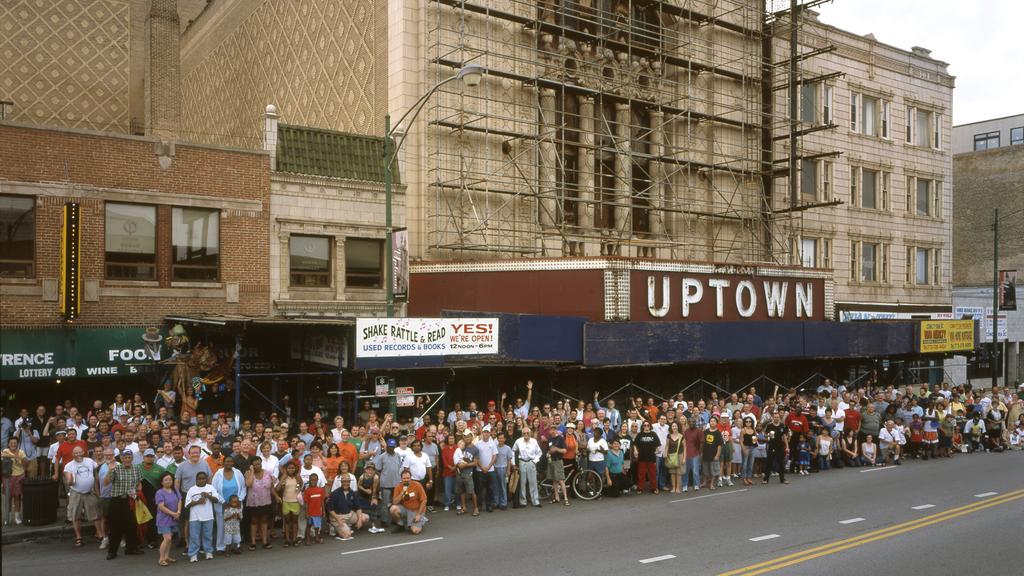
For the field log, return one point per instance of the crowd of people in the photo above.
(156, 475)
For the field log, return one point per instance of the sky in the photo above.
(982, 40)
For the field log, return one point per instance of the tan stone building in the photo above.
(879, 181)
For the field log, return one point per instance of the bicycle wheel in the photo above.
(544, 489)
(587, 484)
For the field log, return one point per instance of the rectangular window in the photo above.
(937, 131)
(868, 259)
(826, 181)
(17, 236)
(886, 118)
(195, 244)
(908, 269)
(854, 186)
(869, 189)
(923, 197)
(309, 261)
(921, 266)
(826, 111)
(1016, 136)
(911, 111)
(809, 103)
(936, 266)
(884, 203)
(986, 141)
(130, 233)
(809, 252)
(922, 130)
(826, 253)
(809, 180)
(869, 115)
(854, 105)
(364, 263)
(854, 261)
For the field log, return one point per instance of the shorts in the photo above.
(556, 470)
(464, 484)
(290, 508)
(315, 521)
(16, 485)
(260, 513)
(87, 503)
(166, 530)
(710, 468)
(348, 518)
(104, 507)
(407, 516)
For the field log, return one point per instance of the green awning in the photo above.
(318, 152)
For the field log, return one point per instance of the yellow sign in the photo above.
(947, 335)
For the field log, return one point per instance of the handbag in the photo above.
(513, 481)
(672, 460)
(142, 514)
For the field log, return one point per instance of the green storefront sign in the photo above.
(77, 352)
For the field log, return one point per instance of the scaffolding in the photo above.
(605, 127)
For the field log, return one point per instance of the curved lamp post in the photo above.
(471, 75)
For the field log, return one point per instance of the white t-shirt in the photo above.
(661, 430)
(204, 511)
(417, 465)
(85, 475)
(270, 465)
(593, 447)
(305, 474)
(337, 482)
(336, 435)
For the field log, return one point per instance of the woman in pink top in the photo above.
(259, 485)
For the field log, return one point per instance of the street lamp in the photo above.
(471, 75)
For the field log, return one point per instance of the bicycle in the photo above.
(586, 484)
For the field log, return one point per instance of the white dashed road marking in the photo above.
(922, 507)
(851, 521)
(657, 559)
(709, 496)
(765, 537)
(393, 545)
(880, 468)
(985, 494)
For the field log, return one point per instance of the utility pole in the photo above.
(996, 360)
(389, 264)
(794, 197)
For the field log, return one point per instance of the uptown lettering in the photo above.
(775, 295)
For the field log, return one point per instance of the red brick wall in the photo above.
(40, 155)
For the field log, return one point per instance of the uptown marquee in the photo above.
(732, 297)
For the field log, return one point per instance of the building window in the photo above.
(809, 103)
(364, 260)
(921, 266)
(826, 181)
(924, 194)
(868, 259)
(809, 252)
(1016, 136)
(986, 141)
(809, 180)
(886, 118)
(130, 233)
(642, 182)
(869, 115)
(195, 240)
(827, 106)
(869, 189)
(605, 129)
(568, 120)
(309, 261)
(826, 253)
(17, 236)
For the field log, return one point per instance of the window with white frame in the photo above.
(886, 119)
(870, 115)
(869, 262)
(809, 102)
(924, 128)
(826, 181)
(809, 180)
(809, 252)
(923, 266)
(826, 105)
(869, 188)
(923, 196)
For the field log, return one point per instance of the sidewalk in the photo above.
(22, 533)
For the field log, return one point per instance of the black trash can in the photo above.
(39, 501)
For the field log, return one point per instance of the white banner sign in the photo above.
(985, 315)
(394, 337)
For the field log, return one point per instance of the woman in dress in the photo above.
(675, 455)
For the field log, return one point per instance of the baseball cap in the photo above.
(149, 452)
(570, 425)
(370, 465)
(126, 453)
(392, 442)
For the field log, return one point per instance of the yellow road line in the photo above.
(822, 550)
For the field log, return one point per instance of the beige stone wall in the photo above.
(321, 62)
(903, 78)
(66, 63)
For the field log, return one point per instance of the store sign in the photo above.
(946, 336)
(319, 348)
(985, 315)
(396, 337)
(858, 315)
(77, 352)
(400, 264)
(1007, 290)
(678, 296)
(405, 396)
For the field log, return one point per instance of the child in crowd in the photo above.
(805, 455)
(233, 525)
(314, 498)
(369, 487)
(824, 450)
(868, 451)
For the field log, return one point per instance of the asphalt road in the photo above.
(958, 516)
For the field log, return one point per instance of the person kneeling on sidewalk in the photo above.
(346, 512)
(410, 502)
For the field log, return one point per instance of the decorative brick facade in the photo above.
(56, 166)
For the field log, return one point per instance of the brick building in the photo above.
(166, 229)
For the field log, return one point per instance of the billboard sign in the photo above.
(397, 337)
(946, 336)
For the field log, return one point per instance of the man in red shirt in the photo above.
(797, 424)
(65, 451)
